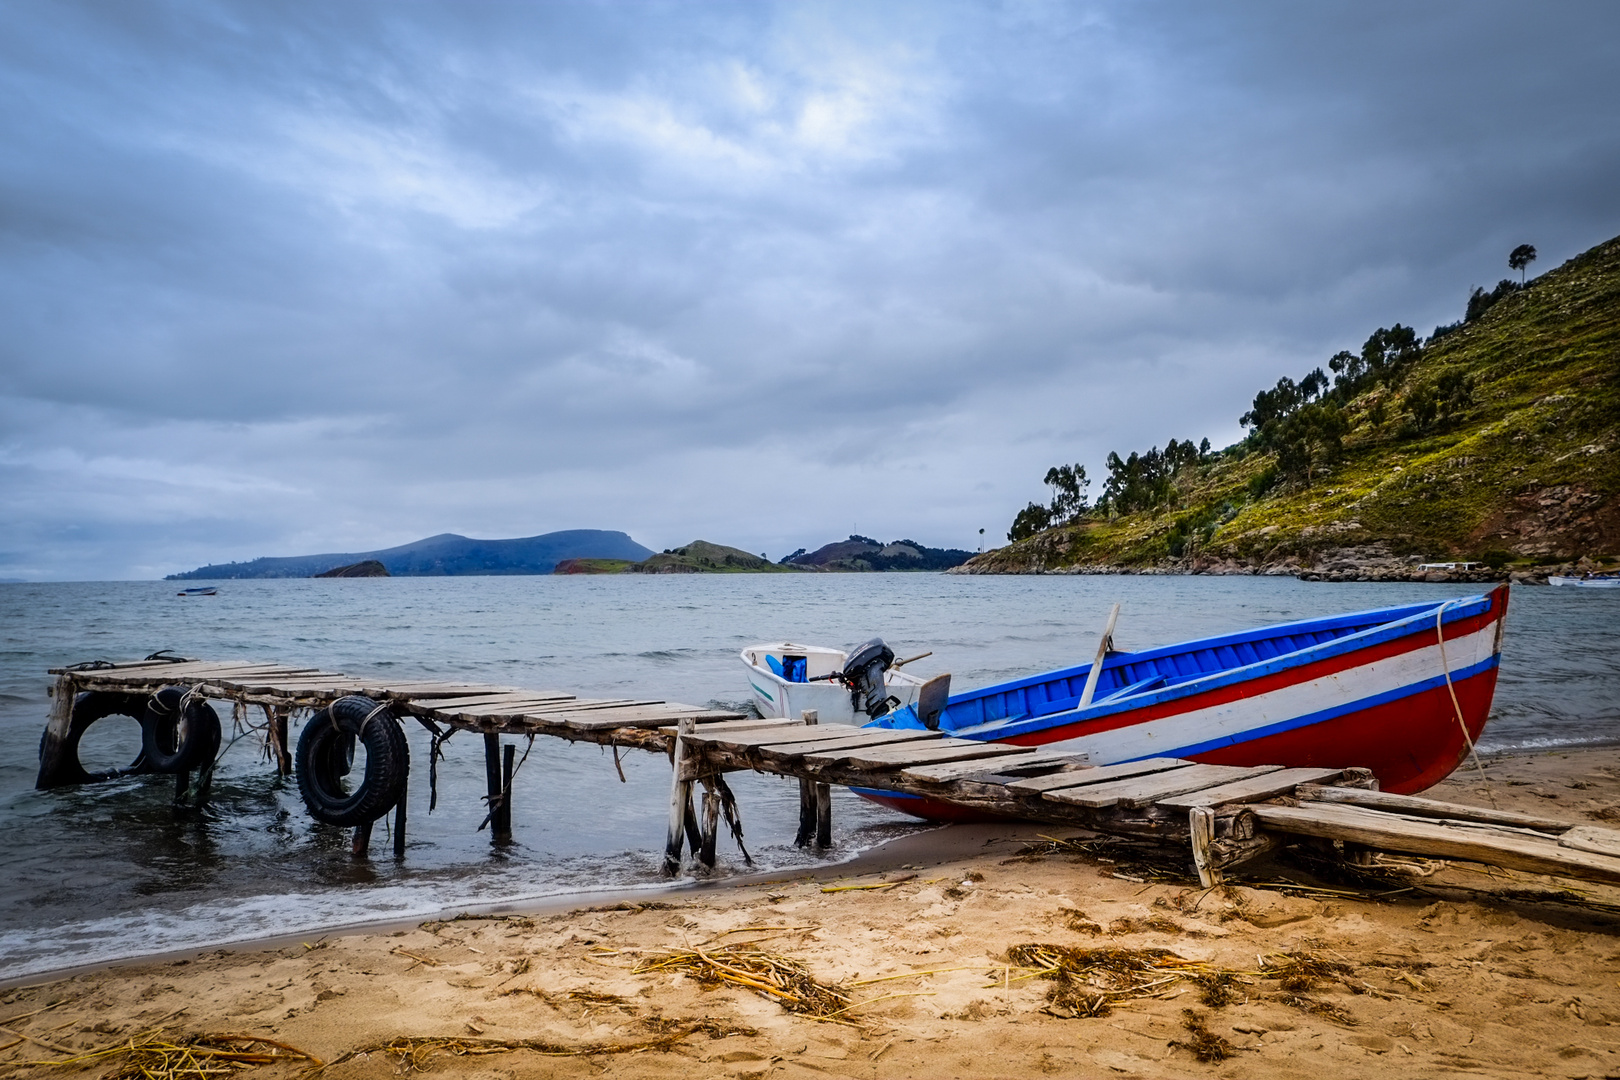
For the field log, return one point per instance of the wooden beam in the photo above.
(1098, 774)
(907, 754)
(1435, 839)
(1281, 782)
(1007, 768)
(1411, 804)
(1139, 791)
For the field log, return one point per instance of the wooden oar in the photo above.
(1103, 648)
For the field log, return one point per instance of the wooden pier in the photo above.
(1224, 815)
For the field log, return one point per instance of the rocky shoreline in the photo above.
(1370, 563)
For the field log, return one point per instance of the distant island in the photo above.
(445, 555)
(369, 568)
(858, 554)
(1496, 440)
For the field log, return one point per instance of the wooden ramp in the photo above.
(1226, 814)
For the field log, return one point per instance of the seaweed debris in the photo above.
(783, 979)
(1089, 982)
(151, 1056)
(413, 1052)
(1205, 1045)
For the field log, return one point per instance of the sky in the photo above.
(302, 277)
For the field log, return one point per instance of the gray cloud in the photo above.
(323, 277)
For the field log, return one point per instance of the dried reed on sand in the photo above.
(780, 978)
(151, 1056)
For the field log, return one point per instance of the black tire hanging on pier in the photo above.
(59, 764)
(326, 755)
(178, 732)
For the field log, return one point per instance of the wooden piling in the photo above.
(680, 798)
(711, 824)
(276, 719)
(360, 846)
(492, 783)
(399, 816)
(823, 816)
(807, 794)
(504, 830)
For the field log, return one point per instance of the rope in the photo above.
(1445, 666)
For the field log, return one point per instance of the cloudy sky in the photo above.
(294, 277)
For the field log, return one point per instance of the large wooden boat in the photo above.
(1403, 691)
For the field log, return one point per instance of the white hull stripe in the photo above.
(1287, 707)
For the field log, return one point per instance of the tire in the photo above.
(326, 755)
(59, 760)
(173, 742)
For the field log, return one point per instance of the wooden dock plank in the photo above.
(850, 740)
(1139, 791)
(1434, 839)
(587, 722)
(1411, 804)
(526, 697)
(538, 707)
(785, 737)
(749, 724)
(907, 755)
(1098, 775)
(1268, 786)
(1002, 767)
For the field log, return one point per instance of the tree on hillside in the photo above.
(1521, 257)
(1068, 484)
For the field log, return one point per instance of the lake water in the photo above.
(110, 870)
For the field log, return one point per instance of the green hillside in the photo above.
(1498, 439)
(702, 557)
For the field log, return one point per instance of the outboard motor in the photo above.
(863, 674)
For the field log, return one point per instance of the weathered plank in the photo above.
(599, 722)
(1268, 786)
(739, 725)
(851, 741)
(1002, 767)
(809, 738)
(1098, 774)
(1421, 836)
(538, 707)
(1410, 804)
(1138, 791)
(494, 697)
(907, 755)
(1593, 839)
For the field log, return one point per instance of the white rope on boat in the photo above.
(1445, 666)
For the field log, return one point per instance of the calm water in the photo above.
(111, 870)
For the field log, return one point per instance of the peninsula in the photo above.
(1496, 440)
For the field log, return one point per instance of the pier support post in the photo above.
(503, 830)
(360, 846)
(711, 824)
(1201, 826)
(492, 785)
(807, 795)
(399, 815)
(823, 816)
(680, 799)
(276, 718)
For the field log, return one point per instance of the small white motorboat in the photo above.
(788, 678)
(1590, 581)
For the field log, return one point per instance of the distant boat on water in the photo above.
(1590, 581)
(200, 590)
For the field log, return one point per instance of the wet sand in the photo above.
(1430, 970)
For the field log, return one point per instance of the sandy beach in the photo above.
(924, 961)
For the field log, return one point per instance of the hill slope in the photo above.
(862, 554)
(702, 557)
(1519, 463)
(445, 555)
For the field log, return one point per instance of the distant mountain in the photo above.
(445, 555)
(862, 554)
